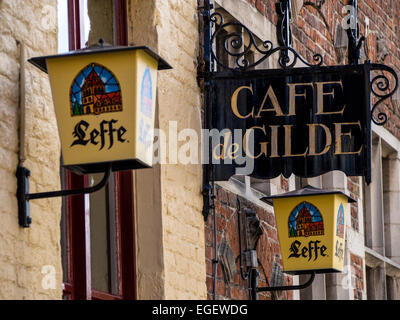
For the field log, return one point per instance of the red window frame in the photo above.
(77, 214)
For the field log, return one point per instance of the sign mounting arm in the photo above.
(283, 288)
(24, 196)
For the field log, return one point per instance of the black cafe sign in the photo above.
(305, 121)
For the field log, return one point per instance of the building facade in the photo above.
(146, 235)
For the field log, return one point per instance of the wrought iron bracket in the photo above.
(285, 288)
(382, 89)
(354, 51)
(24, 196)
(283, 30)
(353, 34)
(231, 36)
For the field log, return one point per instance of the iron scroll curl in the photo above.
(382, 88)
(234, 46)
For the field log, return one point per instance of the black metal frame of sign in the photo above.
(305, 121)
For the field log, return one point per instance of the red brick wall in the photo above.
(353, 185)
(227, 228)
(357, 275)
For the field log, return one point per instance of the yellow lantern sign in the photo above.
(105, 106)
(312, 229)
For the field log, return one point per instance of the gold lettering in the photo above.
(221, 155)
(321, 94)
(222, 147)
(274, 141)
(263, 148)
(234, 103)
(288, 143)
(293, 95)
(339, 134)
(312, 138)
(232, 149)
(275, 104)
(263, 144)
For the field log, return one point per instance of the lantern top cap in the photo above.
(306, 191)
(40, 62)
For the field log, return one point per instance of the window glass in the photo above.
(84, 22)
(99, 21)
(103, 244)
(63, 43)
(64, 233)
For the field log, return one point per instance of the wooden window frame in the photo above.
(77, 212)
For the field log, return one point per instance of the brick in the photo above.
(260, 5)
(238, 293)
(271, 232)
(357, 271)
(284, 183)
(268, 246)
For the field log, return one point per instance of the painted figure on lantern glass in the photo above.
(94, 91)
(305, 220)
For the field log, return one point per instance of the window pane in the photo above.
(67, 297)
(98, 17)
(63, 39)
(84, 22)
(99, 21)
(103, 245)
(64, 231)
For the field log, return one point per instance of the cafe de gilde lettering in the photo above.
(307, 122)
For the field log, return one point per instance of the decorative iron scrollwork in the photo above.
(283, 29)
(234, 46)
(382, 88)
